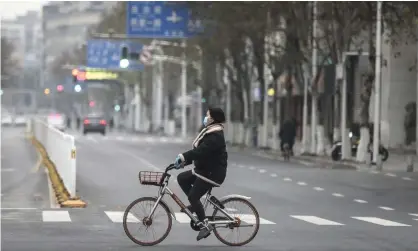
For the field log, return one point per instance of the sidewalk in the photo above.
(397, 162)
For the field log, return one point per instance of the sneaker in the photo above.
(205, 230)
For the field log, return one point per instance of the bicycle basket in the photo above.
(151, 178)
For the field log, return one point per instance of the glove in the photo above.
(178, 162)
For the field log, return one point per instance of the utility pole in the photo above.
(184, 91)
(314, 73)
(376, 131)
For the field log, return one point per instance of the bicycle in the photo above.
(228, 221)
(286, 152)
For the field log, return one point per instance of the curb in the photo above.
(61, 193)
(299, 159)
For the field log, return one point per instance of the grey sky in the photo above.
(10, 9)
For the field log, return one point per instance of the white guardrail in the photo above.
(61, 151)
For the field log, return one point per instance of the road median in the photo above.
(61, 193)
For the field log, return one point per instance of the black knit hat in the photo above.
(217, 114)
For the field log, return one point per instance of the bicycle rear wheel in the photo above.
(161, 215)
(248, 219)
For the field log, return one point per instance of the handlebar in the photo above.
(170, 167)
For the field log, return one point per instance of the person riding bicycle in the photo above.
(287, 134)
(210, 159)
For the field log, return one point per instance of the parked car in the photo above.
(6, 119)
(94, 123)
(20, 120)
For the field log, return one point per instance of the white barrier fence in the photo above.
(61, 151)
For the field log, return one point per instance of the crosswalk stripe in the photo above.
(117, 217)
(56, 216)
(382, 222)
(316, 220)
(250, 219)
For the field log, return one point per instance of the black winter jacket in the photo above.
(209, 154)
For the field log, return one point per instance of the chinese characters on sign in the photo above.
(160, 20)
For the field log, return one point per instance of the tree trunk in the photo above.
(365, 94)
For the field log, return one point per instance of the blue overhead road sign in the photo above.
(158, 19)
(106, 54)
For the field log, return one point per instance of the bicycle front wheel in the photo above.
(140, 226)
(246, 217)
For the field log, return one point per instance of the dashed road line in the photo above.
(251, 168)
(360, 201)
(337, 195)
(318, 188)
(390, 174)
(413, 214)
(287, 179)
(407, 178)
(262, 171)
(301, 183)
(387, 208)
(273, 175)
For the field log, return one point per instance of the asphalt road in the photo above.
(302, 207)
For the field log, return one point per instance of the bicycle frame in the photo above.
(166, 190)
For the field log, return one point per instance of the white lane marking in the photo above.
(337, 195)
(416, 219)
(382, 222)
(182, 218)
(144, 161)
(318, 188)
(273, 175)
(251, 168)
(250, 219)
(163, 139)
(91, 139)
(149, 139)
(374, 172)
(119, 138)
(414, 215)
(301, 183)
(117, 217)
(287, 179)
(7, 170)
(262, 171)
(317, 220)
(240, 166)
(390, 174)
(56, 216)
(19, 208)
(360, 201)
(407, 178)
(387, 208)
(178, 140)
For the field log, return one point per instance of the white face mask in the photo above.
(207, 121)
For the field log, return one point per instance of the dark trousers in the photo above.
(194, 188)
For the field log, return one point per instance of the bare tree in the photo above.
(8, 63)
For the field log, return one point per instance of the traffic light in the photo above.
(60, 88)
(74, 73)
(47, 91)
(270, 90)
(124, 58)
(117, 108)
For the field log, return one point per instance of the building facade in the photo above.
(65, 26)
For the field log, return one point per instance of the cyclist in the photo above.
(210, 159)
(287, 134)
